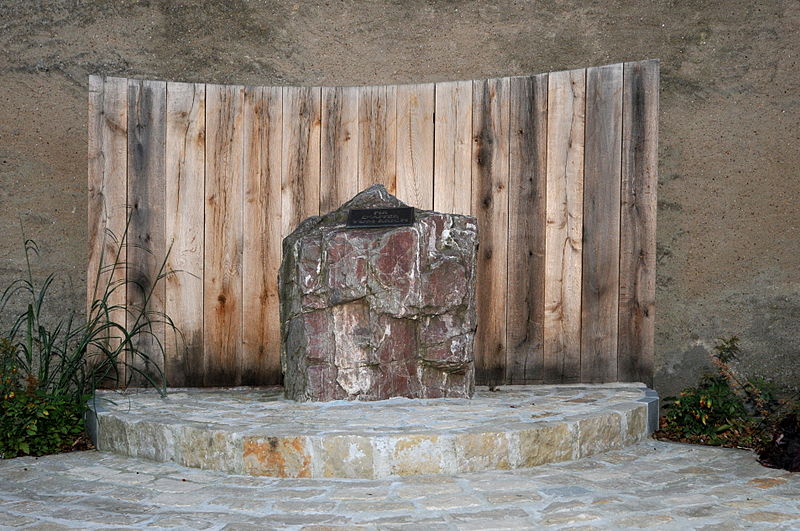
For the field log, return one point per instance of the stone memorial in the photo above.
(379, 312)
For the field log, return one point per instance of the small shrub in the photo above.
(33, 422)
(50, 366)
(722, 409)
(709, 413)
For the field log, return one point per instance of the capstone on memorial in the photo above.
(380, 312)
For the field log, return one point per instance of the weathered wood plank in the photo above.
(601, 189)
(526, 235)
(108, 181)
(377, 133)
(222, 279)
(563, 234)
(301, 156)
(415, 107)
(452, 151)
(185, 199)
(637, 276)
(146, 232)
(339, 157)
(263, 123)
(490, 123)
(98, 209)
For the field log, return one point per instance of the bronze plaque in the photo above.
(371, 218)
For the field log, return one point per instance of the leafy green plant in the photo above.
(727, 350)
(32, 421)
(709, 413)
(52, 365)
(723, 409)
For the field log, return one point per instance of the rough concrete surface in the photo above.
(729, 193)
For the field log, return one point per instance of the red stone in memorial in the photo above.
(375, 313)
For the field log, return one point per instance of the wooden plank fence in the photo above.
(560, 170)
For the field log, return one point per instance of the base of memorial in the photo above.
(256, 431)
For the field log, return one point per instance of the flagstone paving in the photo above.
(651, 485)
(257, 431)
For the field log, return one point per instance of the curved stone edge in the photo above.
(379, 456)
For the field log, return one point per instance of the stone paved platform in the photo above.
(258, 432)
(652, 485)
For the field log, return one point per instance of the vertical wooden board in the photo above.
(107, 201)
(377, 137)
(526, 223)
(415, 107)
(637, 275)
(97, 210)
(452, 190)
(490, 119)
(261, 258)
(601, 211)
(301, 156)
(107, 171)
(222, 275)
(339, 149)
(185, 198)
(146, 247)
(563, 234)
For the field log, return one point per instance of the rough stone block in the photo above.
(599, 433)
(548, 443)
(636, 423)
(370, 314)
(209, 449)
(482, 451)
(285, 457)
(112, 435)
(413, 455)
(151, 440)
(345, 456)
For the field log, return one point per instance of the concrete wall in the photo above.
(729, 193)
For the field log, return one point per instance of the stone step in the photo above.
(256, 431)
